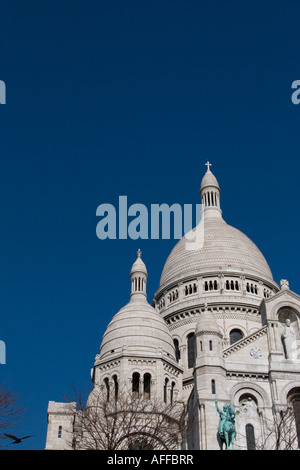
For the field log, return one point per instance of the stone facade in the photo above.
(219, 327)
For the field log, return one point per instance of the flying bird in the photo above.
(16, 439)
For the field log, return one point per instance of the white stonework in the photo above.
(219, 326)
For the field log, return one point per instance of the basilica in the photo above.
(219, 333)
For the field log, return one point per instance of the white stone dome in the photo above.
(207, 324)
(225, 248)
(220, 247)
(209, 179)
(137, 328)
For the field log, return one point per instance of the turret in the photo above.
(210, 194)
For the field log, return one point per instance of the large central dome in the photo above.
(220, 247)
(224, 249)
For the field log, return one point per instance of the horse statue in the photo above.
(226, 431)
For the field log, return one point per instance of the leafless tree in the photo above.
(281, 432)
(9, 410)
(278, 432)
(127, 423)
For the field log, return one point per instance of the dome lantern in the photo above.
(210, 194)
(138, 276)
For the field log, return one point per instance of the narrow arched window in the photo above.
(296, 410)
(172, 393)
(166, 390)
(294, 400)
(116, 385)
(147, 386)
(135, 385)
(59, 432)
(250, 437)
(213, 387)
(210, 345)
(177, 350)
(106, 382)
(191, 349)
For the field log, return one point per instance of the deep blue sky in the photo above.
(130, 98)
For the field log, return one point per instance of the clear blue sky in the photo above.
(130, 98)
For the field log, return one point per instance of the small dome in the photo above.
(139, 265)
(207, 324)
(137, 327)
(209, 179)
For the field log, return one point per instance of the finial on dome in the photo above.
(208, 165)
(139, 253)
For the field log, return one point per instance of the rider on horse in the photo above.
(226, 430)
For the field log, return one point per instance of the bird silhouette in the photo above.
(16, 439)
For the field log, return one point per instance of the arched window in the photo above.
(294, 399)
(177, 350)
(140, 445)
(172, 393)
(135, 385)
(166, 390)
(191, 350)
(296, 409)
(147, 386)
(107, 388)
(213, 387)
(250, 437)
(116, 386)
(235, 335)
(59, 432)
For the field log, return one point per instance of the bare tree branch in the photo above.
(127, 423)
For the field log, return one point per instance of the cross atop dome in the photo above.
(208, 165)
(139, 253)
